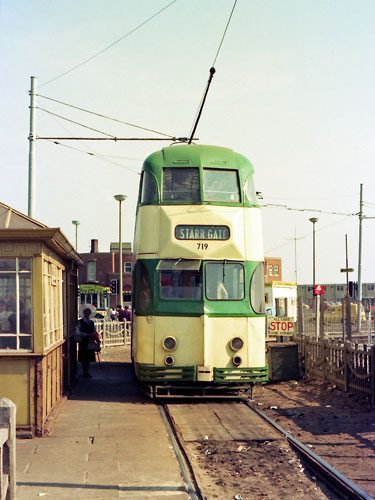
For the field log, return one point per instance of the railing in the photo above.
(7, 450)
(349, 366)
(113, 333)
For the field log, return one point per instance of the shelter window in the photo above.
(257, 290)
(52, 303)
(180, 279)
(15, 304)
(181, 184)
(127, 267)
(221, 185)
(149, 189)
(225, 281)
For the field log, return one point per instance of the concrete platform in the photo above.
(109, 442)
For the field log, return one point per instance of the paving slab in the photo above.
(108, 442)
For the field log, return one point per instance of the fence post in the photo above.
(372, 374)
(299, 315)
(8, 421)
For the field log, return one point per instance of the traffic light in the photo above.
(114, 286)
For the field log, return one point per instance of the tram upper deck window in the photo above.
(224, 281)
(221, 185)
(149, 190)
(181, 184)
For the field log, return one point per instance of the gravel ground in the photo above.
(335, 425)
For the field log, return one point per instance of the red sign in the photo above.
(281, 326)
(319, 290)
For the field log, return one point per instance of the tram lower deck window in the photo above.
(224, 281)
(181, 285)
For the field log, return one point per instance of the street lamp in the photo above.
(120, 198)
(314, 220)
(76, 223)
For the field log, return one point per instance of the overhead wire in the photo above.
(307, 235)
(75, 123)
(92, 153)
(274, 205)
(104, 116)
(212, 72)
(108, 46)
(225, 32)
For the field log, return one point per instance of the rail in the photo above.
(7, 450)
(113, 333)
(332, 477)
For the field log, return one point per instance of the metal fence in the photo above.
(7, 450)
(349, 366)
(113, 333)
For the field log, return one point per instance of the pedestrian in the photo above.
(113, 313)
(86, 331)
(120, 313)
(128, 314)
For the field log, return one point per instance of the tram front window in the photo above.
(181, 285)
(224, 281)
(221, 185)
(181, 184)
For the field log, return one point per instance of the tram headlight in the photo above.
(236, 344)
(236, 360)
(169, 360)
(169, 343)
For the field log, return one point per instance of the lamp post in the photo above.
(314, 220)
(120, 198)
(76, 223)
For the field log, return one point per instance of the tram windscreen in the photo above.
(181, 184)
(221, 185)
(181, 285)
(224, 281)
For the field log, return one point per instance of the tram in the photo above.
(198, 284)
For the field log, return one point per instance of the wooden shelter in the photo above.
(38, 312)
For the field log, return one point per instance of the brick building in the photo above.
(99, 269)
(272, 269)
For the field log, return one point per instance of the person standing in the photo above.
(128, 314)
(86, 329)
(120, 313)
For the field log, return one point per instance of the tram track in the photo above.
(328, 475)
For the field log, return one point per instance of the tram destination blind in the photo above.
(198, 232)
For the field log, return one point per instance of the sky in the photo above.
(293, 92)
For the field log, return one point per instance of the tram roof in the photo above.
(197, 155)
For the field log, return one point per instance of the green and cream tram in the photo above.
(198, 298)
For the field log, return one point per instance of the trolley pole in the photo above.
(360, 260)
(32, 140)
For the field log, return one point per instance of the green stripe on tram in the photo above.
(148, 300)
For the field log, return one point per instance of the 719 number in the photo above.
(202, 246)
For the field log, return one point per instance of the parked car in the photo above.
(333, 314)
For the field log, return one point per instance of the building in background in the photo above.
(98, 271)
(334, 292)
(272, 269)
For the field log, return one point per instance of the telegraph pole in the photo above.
(360, 259)
(32, 140)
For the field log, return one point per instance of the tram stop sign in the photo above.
(319, 290)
